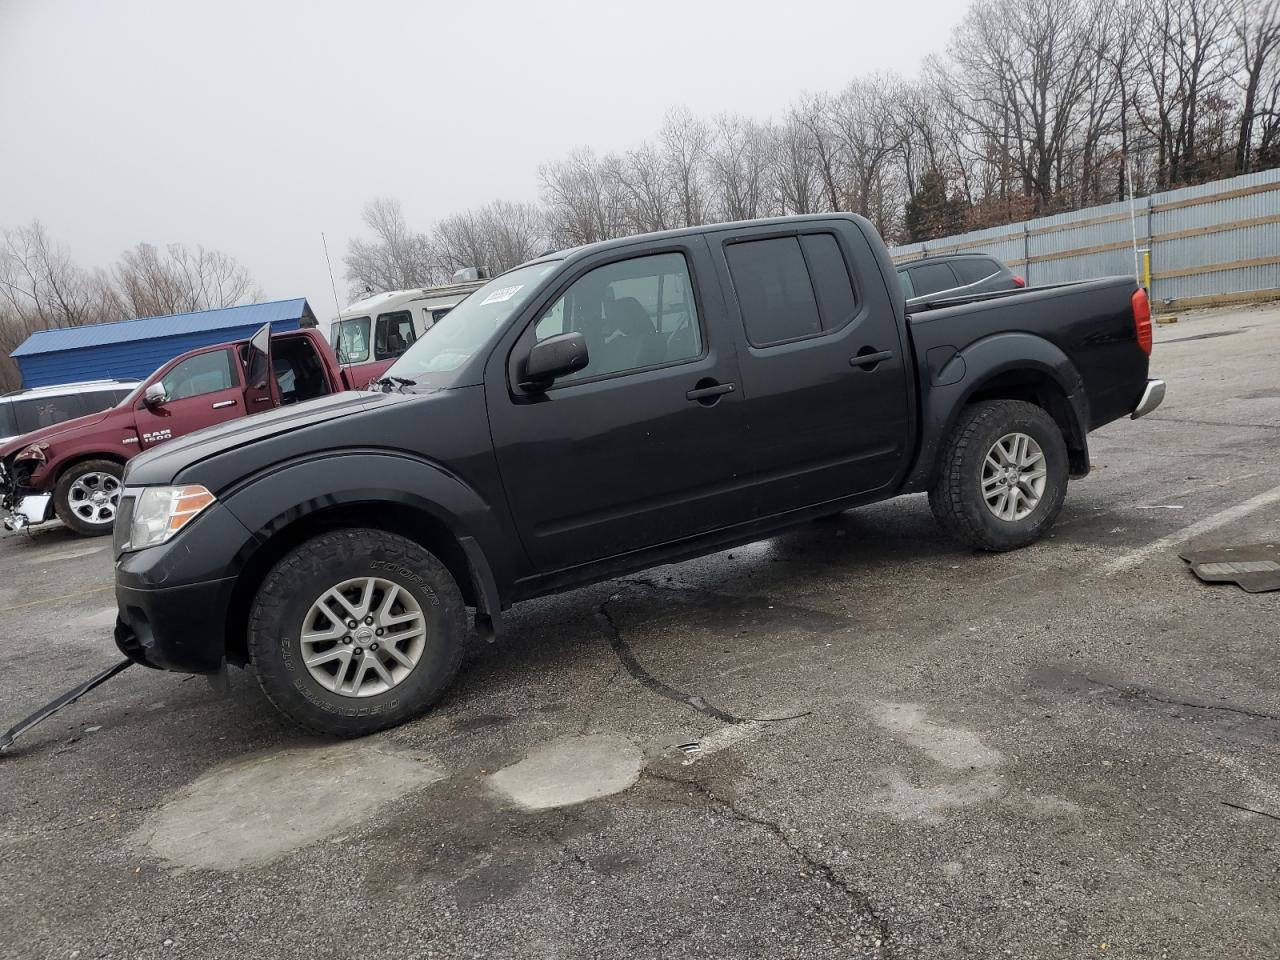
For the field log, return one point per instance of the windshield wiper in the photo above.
(386, 383)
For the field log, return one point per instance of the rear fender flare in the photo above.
(977, 365)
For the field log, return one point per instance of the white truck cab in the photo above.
(371, 333)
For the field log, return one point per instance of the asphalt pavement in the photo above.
(857, 739)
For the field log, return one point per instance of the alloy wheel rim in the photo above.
(1014, 475)
(363, 636)
(94, 497)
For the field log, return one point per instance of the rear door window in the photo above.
(32, 413)
(774, 293)
(904, 277)
(98, 400)
(971, 270)
(830, 276)
(932, 277)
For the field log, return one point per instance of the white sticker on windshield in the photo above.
(506, 293)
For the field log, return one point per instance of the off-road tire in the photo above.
(302, 575)
(956, 497)
(62, 495)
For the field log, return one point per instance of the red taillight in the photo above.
(1142, 319)
(1018, 281)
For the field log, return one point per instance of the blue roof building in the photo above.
(135, 349)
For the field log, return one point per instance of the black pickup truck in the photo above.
(598, 411)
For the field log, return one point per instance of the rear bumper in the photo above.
(1152, 397)
(174, 628)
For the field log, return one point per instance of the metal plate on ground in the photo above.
(1255, 567)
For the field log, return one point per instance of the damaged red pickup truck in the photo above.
(73, 469)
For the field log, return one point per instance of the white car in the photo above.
(25, 410)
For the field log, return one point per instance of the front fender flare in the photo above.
(273, 500)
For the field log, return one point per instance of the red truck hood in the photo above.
(60, 431)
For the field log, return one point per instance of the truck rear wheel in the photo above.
(1002, 476)
(86, 496)
(355, 631)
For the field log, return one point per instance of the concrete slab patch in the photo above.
(952, 747)
(903, 800)
(98, 619)
(571, 770)
(260, 808)
(71, 553)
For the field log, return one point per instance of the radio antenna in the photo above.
(332, 286)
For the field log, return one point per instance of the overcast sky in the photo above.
(252, 125)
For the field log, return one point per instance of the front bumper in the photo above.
(174, 628)
(174, 598)
(31, 509)
(1152, 397)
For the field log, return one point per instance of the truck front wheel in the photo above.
(86, 496)
(1002, 476)
(355, 631)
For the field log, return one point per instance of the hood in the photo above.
(163, 463)
(57, 431)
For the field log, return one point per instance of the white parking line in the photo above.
(1131, 560)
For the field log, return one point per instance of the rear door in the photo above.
(201, 390)
(823, 366)
(645, 445)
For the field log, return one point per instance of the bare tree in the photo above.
(1256, 25)
(397, 258)
(498, 236)
(738, 167)
(151, 282)
(584, 198)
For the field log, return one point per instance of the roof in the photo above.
(154, 328)
(83, 386)
(394, 298)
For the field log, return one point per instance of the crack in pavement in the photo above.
(1135, 691)
(857, 898)
(648, 680)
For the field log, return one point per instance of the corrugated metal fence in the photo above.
(1214, 243)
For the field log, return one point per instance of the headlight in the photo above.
(162, 511)
(33, 452)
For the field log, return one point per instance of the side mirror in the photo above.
(155, 395)
(557, 356)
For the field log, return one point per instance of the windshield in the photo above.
(350, 340)
(459, 335)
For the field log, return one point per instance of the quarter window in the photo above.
(831, 283)
(973, 269)
(198, 375)
(633, 314)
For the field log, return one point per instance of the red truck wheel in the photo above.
(87, 495)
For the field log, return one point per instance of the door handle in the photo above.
(709, 391)
(259, 400)
(869, 360)
(223, 404)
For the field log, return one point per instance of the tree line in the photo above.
(1031, 109)
(43, 288)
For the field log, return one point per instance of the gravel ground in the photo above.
(891, 746)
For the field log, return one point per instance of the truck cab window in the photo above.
(201, 374)
(634, 314)
(393, 335)
(351, 343)
(774, 292)
(32, 413)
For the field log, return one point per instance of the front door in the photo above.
(199, 391)
(644, 445)
(824, 370)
